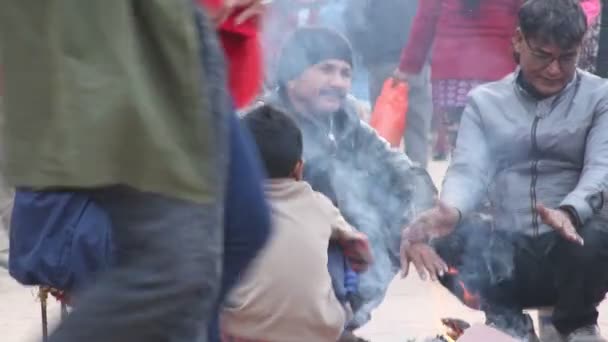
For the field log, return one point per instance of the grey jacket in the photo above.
(520, 152)
(377, 189)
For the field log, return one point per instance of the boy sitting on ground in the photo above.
(287, 293)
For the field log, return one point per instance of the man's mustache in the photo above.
(333, 92)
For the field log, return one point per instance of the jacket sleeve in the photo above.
(470, 170)
(338, 224)
(587, 198)
(421, 38)
(394, 175)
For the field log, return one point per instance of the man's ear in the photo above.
(298, 170)
(518, 41)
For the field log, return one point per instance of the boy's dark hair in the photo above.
(560, 22)
(278, 138)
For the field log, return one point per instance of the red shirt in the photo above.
(243, 53)
(464, 47)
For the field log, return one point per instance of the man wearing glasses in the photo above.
(535, 144)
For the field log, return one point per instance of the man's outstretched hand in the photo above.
(426, 261)
(435, 222)
(560, 221)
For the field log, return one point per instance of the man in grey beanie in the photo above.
(377, 188)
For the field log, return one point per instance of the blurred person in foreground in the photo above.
(378, 31)
(287, 295)
(535, 142)
(129, 106)
(246, 214)
(377, 188)
(471, 45)
(238, 26)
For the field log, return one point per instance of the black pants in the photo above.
(505, 273)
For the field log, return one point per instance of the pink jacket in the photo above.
(592, 9)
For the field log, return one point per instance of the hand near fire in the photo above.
(425, 260)
(435, 222)
(560, 221)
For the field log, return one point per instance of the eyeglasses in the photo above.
(543, 59)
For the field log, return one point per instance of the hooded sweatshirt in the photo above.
(287, 294)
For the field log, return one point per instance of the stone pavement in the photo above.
(412, 308)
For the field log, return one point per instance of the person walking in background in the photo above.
(283, 17)
(588, 59)
(378, 31)
(471, 45)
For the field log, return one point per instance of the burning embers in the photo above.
(468, 297)
(459, 330)
(454, 330)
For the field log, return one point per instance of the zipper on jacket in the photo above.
(534, 173)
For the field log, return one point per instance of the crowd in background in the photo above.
(432, 42)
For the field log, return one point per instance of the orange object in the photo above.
(389, 117)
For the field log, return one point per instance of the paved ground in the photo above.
(411, 309)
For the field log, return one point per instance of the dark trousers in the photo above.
(167, 274)
(506, 273)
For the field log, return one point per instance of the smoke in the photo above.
(372, 197)
(376, 194)
(483, 256)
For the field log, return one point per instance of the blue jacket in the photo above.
(247, 217)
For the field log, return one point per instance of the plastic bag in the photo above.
(389, 116)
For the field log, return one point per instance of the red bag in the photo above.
(390, 112)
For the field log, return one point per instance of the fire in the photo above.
(470, 299)
(455, 329)
(452, 271)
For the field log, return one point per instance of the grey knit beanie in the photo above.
(309, 46)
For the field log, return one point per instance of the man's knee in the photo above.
(593, 253)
